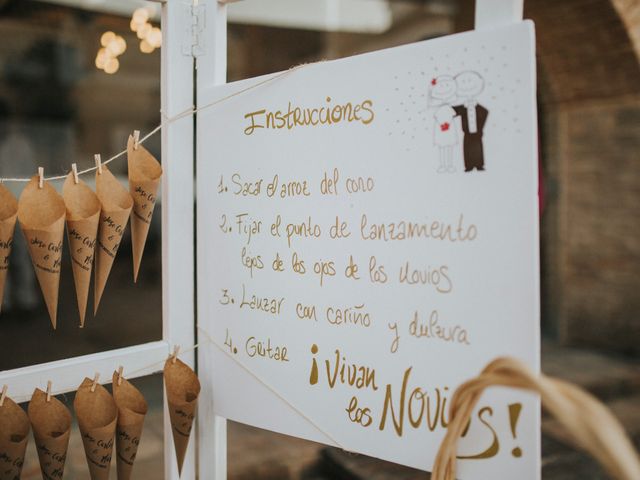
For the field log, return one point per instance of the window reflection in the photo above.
(57, 108)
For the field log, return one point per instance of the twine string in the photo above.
(273, 390)
(145, 368)
(169, 120)
(209, 340)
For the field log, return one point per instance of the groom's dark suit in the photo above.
(473, 151)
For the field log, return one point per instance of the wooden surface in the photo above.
(178, 239)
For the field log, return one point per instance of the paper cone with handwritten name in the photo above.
(96, 413)
(41, 214)
(8, 216)
(132, 408)
(183, 387)
(83, 215)
(144, 178)
(14, 436)
(116, 208)
(51, 423)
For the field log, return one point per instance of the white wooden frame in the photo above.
(178, 293)
(178, 288)
(211, 72)
(178, 196)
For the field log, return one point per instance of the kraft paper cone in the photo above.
(144, 178)
(96, 413)
(116, 207)
(132, 409)
(14, 435)
(41, 214)
(83, 215)
(183, 387)
(51, 424)
(8, 216)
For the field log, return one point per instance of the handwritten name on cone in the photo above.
(83, 215)
(116, 208)
(132, 409)
(182, 387)
(14, 435)
(41, 214)
(51, 424)
(144, 178)
(96, 413)
(8, 216)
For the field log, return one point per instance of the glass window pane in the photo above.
(56, 108)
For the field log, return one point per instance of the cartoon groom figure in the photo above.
(469, 85)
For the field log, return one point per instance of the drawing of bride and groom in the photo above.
(458, 114)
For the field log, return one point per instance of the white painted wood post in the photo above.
(211, 71)
(178, 293)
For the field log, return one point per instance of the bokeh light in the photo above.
(111, 66)
(154, 38)
(143, 30)
(112, 46)
(106, 38)
(140, 16)
(146, 47)
(101, 58)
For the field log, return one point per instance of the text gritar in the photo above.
(293, 117)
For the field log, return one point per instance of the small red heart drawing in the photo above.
(444, 126)
(433, 81)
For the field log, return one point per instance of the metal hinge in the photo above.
(194, 39)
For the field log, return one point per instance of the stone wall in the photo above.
(598, 224)
(589, 92)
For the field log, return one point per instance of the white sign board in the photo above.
(371, 237)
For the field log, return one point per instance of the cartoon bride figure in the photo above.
(442, 93)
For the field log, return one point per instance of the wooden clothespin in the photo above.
(136, 139)
(4, 394)
(95, 382)
(40, 177)
(74, 169)
(49, 383)
(176, 351)
(98, 160)
(120, 370)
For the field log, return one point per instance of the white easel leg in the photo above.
(212, 430)
(177, 210)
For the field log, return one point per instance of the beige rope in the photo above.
(167, 120)
(591, 425)
(273, 390)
